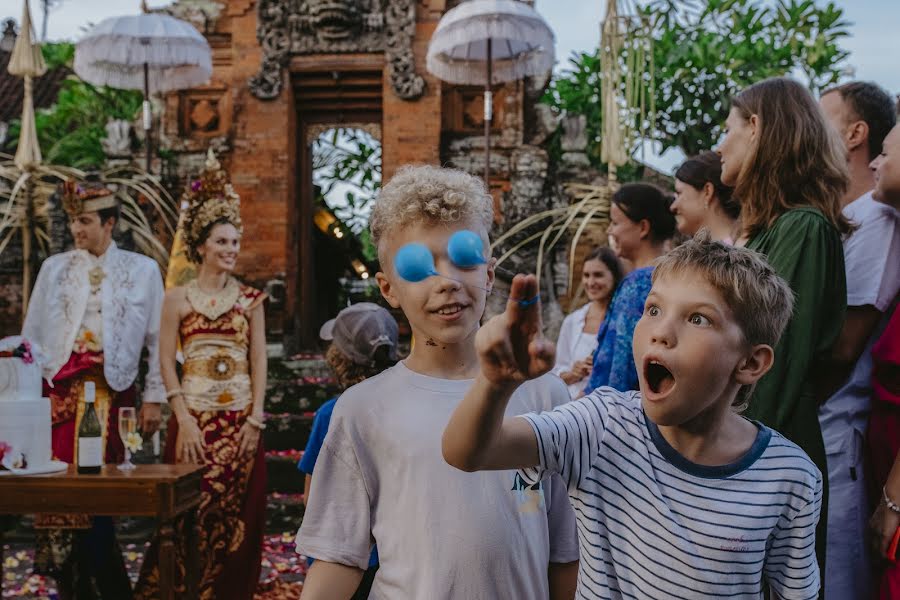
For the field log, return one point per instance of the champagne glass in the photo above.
(127, 425)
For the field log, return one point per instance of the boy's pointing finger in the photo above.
(523, 297)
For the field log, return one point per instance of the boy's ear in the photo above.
(755, 365)
(387, 290)
(491, 274)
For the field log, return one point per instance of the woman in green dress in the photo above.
(789, 172)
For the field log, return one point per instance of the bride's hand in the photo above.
(189, 444)
(248, 438)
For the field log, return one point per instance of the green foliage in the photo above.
(70, 131)
(705, 51)
(347, 169)
(58, 54)
(577, 91)
(706, 56)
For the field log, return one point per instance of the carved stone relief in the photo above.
(202, 14)
(204, 113)
(574, 138)
(117, 143)
(288, 27)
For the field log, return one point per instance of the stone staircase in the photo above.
(297, 388)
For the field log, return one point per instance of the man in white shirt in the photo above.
(863, 114)
(92, 312)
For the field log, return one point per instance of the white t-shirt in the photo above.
(441, 533)
(574, 345)
(872, 262)
(656, 526)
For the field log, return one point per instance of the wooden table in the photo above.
(162, 491)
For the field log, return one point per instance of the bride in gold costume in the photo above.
(217, 406)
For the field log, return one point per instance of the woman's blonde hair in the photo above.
(797, 161)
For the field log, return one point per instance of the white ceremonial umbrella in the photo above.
(150, 52)
(488, 42)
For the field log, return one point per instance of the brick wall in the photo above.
(411, 131)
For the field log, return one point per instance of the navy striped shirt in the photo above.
(652, 524)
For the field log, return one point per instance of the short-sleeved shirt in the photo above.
(614, 357)
(441, 533)
(654, 525)
(872, 259)
(311, 453)
(316, 437)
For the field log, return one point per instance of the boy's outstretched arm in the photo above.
(511, 350)
(330, 581)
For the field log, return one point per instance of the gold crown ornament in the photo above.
(91, 197)
(209, 199)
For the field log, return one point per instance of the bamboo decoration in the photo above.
(627, 96)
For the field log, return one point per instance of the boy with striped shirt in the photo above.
(676, 494)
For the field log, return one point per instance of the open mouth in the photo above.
(659, 377)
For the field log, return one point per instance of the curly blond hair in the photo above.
(350, 373)
(424, 193)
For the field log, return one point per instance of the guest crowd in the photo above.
(721, 417)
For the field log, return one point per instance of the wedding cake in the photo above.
(25, 443)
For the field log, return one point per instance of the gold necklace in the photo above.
(213, 305)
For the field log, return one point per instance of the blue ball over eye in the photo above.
(466, 249)
(414, 262)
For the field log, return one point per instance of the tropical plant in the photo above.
(566, 223)
(704, 52)
(25, 196)
(347, 170)
(705, 55)
(70, 131)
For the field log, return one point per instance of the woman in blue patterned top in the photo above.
(640, 223)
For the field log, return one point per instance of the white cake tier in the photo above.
(19, 381)
(25, 425)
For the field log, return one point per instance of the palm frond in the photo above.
(146, 205)
(590, 208)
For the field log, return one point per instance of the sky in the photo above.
(873, 46)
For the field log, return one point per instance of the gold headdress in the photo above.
(90, 197)
(209, 199)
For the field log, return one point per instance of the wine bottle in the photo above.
(90, 436)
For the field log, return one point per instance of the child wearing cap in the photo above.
(363, 344)
(441, 533)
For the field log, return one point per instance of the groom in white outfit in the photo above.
(92, 312)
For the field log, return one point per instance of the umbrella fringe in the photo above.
(461, 72)
(127, 50)
(133, 79)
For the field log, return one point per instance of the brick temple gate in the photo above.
(287, 70)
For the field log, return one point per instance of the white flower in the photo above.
(133, 441)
